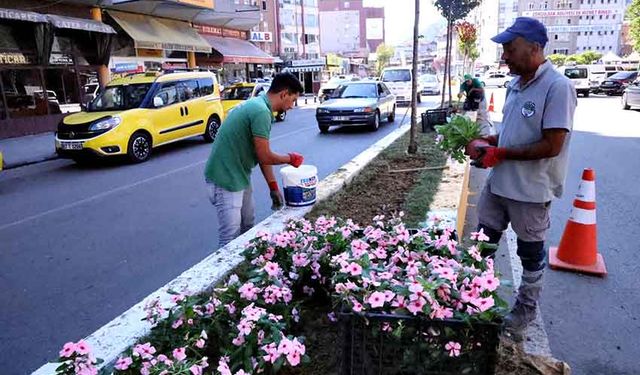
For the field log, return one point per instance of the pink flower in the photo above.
(415, 287)
(483, 304)
(285, 346)
(123, 363)
(196, 370)
(272, 269)
(249, 292)
(357, 306)
(300, 260)
(399, 302)
(68, 349)
(238, 340)
(453, 348)
(146, 351)
(200, 343)
(293, 358)
(416, 306)
(177, 323)
(179, 354)
(355, 269)
(376, 299)
(82, 347)
(490, 282)
(479, 236)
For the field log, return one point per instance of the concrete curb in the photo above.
(24, 163)
(115, 337)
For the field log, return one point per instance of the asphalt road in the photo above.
(80, 245)
(592, 322)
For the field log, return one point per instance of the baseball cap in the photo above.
(526, 27)
(467, 77)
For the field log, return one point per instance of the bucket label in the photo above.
(309, 182)
(299, 196)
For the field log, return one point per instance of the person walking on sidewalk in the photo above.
(528, 157)
(242, 143)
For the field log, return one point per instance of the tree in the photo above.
(633, 15)
(452, 10)
(590, 57)
(578, 59)
(467, 37)
(557, 59)
(384, 54)
(413, 143)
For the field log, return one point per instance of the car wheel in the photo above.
(392, 115)
(213, 125)
(139, 147)
(375, 125)
(625, 105)
(324, 129)
(281, 116)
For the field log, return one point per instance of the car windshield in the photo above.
(576, 73)
(356, 91)
(428, 79)
(90, 88)
(237, 93)
(120, 97)
(622, 75)
(399, 75)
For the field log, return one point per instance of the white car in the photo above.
(398, 80)
(496, 79)
(326, 90)
(429, 84)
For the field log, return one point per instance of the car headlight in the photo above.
(106, 124)
(365, 109)
(323, 110)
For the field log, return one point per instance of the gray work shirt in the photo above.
(548, 101)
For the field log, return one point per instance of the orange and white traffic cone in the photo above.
(578, 249)
(491, 108)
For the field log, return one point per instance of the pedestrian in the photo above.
(241, 143)
(529, 159)
(471, 88)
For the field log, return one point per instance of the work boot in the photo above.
(524, 310)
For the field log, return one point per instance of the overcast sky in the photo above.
(399, 18)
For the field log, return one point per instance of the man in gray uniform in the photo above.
(528, 157)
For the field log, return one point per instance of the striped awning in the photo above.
(311, 68)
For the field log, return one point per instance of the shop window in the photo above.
(264, 5)
(24, 93)
(62, 86)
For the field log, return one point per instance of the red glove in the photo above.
(492, 156)
(473, 148)
(295, 159)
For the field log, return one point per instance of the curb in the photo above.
(19, 164)
(112, 339)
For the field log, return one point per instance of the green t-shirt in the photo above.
(233, 153)
(475, 84)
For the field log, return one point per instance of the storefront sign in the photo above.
(569, 13)
(14, 58)
(260, 36)
(234, 33)
(127, 68)
(309, 62)
(20, 15)
(581, 28)
(60, 59)
(174, 65)
(146, 52)
(375, 28)
(333, 60)
(219, 31)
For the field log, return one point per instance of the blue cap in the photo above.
(526, 27)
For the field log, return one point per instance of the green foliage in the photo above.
(454, 10)
(591, 57)
(557, 59)
(384, 54)
(456, 134)
(633, 15)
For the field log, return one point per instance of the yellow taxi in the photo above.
(239, 92)
(134, 114)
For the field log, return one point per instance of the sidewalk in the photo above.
(26, 150)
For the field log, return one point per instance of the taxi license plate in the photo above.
(71, 145)
(340, 118)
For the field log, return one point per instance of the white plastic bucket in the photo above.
(299, 185)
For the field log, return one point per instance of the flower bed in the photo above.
(251, 323)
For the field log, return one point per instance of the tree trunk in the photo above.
(446, 65)
(413, 143)
(450, 48)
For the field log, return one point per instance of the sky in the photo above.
(399, 16)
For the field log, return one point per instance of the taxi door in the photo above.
(167, 115)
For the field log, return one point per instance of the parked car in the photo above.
(357, 103)
(398, 81)
(617, 83)
(326, 90)
(237, 93)
(429, 84)
(139, 112)
(496, 79)
(631, 95)
(579, 76)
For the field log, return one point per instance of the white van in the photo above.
(579, 75)
(398, 80)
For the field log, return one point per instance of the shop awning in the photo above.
(22, 15)
(63, 22)
(309, 68)
(238, 51)
(160, 33)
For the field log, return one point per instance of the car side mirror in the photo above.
(158, 102)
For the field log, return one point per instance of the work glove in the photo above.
(276, 196)
(490, 157)
(474, 148)
(295, 159)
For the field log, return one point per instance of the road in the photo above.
(80, 245)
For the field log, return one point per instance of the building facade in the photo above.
(576, 26)
(352, 27)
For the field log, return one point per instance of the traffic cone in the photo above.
(578, 249)
(491, 109)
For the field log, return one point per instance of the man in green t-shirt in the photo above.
(242, 143)
(473, 91)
